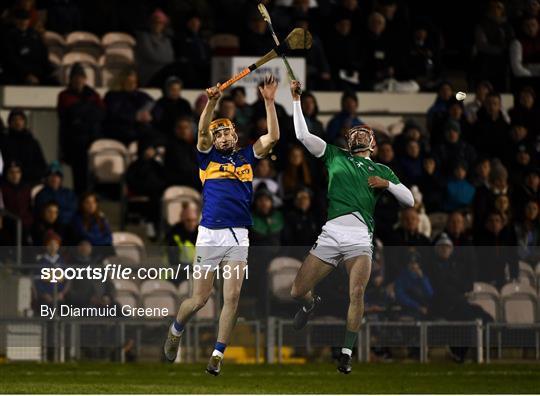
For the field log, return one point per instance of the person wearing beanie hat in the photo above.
(170, 106)
(453, 148)
(16, 195)
(55, 191)
(19, 145)
(154, 49)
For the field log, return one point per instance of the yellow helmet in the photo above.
(220, 124)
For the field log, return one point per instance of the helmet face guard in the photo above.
(360, 138)
(220, 125)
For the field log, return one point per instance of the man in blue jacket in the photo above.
(54, 191)
(413, 290)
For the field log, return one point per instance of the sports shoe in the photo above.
(214, 365)
(344, 363)
(170, 348)
(303, 314)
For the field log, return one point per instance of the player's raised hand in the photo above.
(295, 89)
(268, 90)
(213, 93)
(377, 182)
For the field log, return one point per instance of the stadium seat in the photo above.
(537, 271)
(109, 73)
(127, 292)
(526, 274)
(127, 244)
(117, 40)
(132, 149)
(84, 42)
(487, 297)
(281, 274)
(122, 260)
(224, 44)
(55, 43)
(107, 161)
(438, 222)
(172, 200)
(87, 61)
(159, 294)
(519, 303)
(117, 57)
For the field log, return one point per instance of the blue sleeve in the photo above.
(427, 286)
(203, 159)
(249, 153)
(401, 295)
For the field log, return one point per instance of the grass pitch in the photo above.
(250, 379)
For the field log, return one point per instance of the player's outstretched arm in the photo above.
(264, 144)
(399, 190)
(314, 144)
(204, 139)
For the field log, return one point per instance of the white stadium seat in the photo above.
(159, 294)
(519, 303)
(129, 245)
(107, 160)
(172, 200)
(127, 292)
(487, 297)
(526, 274)
(281, 274)
(117, 40)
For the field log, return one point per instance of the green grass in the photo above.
(309, 378)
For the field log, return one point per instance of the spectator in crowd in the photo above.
(258, 110)
(379, 54)
(26, 57)
(128, 109)
(397, 18)
(482, 170)
(491, 127)
(180, 156)
(483, 89)
(423, 58)
(318, 75)
(255, 41)
(455, 114)
(413, 290)
(170, 106)
(523, 159)
(518, 138)
(459, 191)
(154, 49)
(48, 292)
(193, 53)
(63, 16)
(503, 206)
(49, 221)
(411, 164)
(433, 185)
(405, 238)
(411, 131)
(16, 196)
(297, 173)
(386, 156)
(147, 176)
(268, 222)
(20, 146)
(265, 177)
(342, 48)
(86, 292)
(492, 39)
(453, 148)
(438, 112)
(285, 14)
(54, 191)
(182, 237)
(460, 235)
(452, 279)
(484, 197)
(80, 112)
(310, 109)
(90, 223)
(525, 111)
(345, 119)
(497, 245)
(243, 112)
(379, 298)
(9, 16)
(528, 233)
(301, 226)
(528, 190)
(525, 50)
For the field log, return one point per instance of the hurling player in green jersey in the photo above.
(355, 183)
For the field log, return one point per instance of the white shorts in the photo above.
(337, 243)
(223, 244)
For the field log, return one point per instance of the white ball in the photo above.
(461, 95)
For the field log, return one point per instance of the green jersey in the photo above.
(348, 188)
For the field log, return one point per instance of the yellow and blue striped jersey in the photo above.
(227, 187)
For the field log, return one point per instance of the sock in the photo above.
(177, 328)
(346, 351)
(350, 341)
(219, 349)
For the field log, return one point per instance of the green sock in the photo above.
(350, 339)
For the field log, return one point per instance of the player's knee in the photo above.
(356, 294)
(232, 297)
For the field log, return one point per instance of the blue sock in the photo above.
(179, 327)
(220, 347)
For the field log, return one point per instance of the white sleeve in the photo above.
(314, 144)
(402, 194)
(516, 60)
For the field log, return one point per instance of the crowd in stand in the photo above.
(476, 164)
(371, 44)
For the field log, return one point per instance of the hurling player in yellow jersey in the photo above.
(226, 172)
(355, 182)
